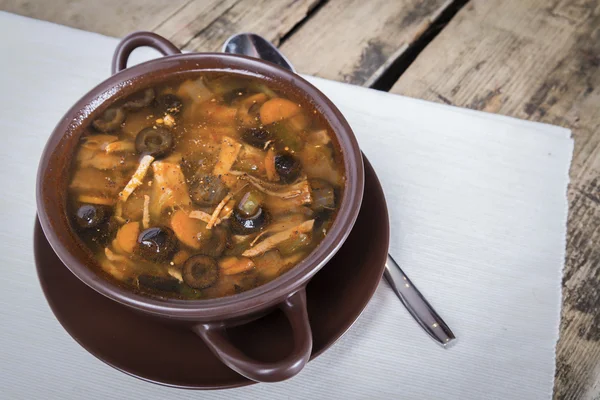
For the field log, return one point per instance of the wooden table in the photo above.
(531, 59)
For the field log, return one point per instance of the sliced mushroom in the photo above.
(157, 244)
(200, 272)
(110, 120)
(208, 190)
(154, 141)
(139, 100)
(217, 243)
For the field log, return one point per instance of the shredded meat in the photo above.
(169, 188)
(235, 265)
(215, 214)
(115, 257)
(202, 216)
(300, 189)
(270, 165)
(91, 199)
(230, 148)
(272, 241)
(175, 273)
(120, 146)
(146, 214)
(137, 178)
(95, 182)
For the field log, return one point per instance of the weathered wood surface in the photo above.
(355, 40)
(191, 24)
(190, 28)
(109, 17)
(537, 60)
(348, 40)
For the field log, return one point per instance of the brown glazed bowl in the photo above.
(207, 318)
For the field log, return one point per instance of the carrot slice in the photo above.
(127, 236)
(270, 165)
(186, 229)
(278, 109)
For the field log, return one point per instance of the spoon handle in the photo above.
(253, 45)
(416, 304)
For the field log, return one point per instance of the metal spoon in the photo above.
(253, 45)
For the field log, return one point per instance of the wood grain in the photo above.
(269, 18)
(348, 40)
(355, 40)
(201, 25)
(537, 60)
(108, 17)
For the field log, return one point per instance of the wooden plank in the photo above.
(201, 25)
(191, 19)
(355, 40)
(537, 60)
(109, 17)
(269, 18)
(350, 40)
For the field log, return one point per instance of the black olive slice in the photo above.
(157, 244)
(90, 215)
(139, 100)
(200, 271)
(257, 137)
(287, 167)
(110, 120)
(156, 142)
(244, 225)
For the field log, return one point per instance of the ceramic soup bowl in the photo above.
(208, 318)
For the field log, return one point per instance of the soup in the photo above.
(204, 187)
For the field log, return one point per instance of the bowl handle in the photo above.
(140, 39)
(294, 308)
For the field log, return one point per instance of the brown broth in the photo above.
(204, 187)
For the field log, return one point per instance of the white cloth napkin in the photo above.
(478, 213)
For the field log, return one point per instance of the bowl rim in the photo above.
(128, 81)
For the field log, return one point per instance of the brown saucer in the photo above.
(175, 356)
